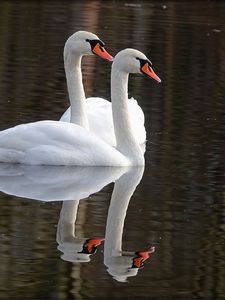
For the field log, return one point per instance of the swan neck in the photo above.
(72, 64)
(126, 142)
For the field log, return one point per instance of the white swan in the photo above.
(77, 45)
(93, 112)
(61, 143)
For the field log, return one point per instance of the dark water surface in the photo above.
(179, 205)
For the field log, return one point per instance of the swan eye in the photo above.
(144, 61)
(101, 43)
(93, 43)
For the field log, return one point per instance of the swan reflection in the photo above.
(122, 264)
(71, 184)
(75, 249)
(55, 183)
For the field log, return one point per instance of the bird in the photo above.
(93, 112)
(61, 143)
(79, 44)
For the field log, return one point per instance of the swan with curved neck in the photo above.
(60, 143)
(92, 112)
(79, 44)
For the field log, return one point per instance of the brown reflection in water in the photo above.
(25, 249)
(91, 11)
(32, 57)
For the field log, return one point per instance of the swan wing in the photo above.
(56, 143)
(137, 120)
(100, 119)
(66, 116)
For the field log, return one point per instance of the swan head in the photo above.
(86, 43)
(133, 61)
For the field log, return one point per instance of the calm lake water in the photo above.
(176, 204)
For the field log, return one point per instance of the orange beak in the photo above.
(100, 51)
(146, 69)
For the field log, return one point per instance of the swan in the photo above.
(77, 45)
(61, 143)
(94, 111)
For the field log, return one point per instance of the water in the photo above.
(179, 204)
